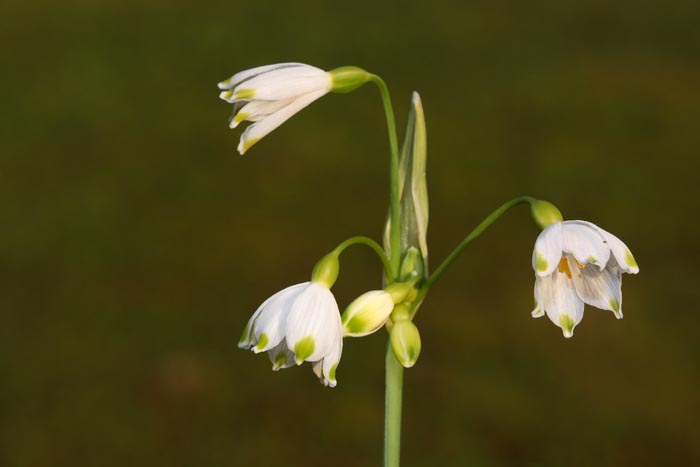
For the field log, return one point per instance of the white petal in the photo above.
(281, 357)
(538, 312)
(248, 338)
(585, 243)
(270, 325)
(258, 130)
(247, 74)
(548, 248)
(330, 362)
(254, 111)
(601, 289)
(622, 254)
(284, 83)
(314, 320)
(561, 302)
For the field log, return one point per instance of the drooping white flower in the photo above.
(300, 323)
(269, 95)
(577, 262)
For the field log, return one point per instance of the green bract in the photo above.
(413, 191)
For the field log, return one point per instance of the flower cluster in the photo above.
(575, 262)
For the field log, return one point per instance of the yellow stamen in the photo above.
(564, 266)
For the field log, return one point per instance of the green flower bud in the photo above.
(348, 78)
(326, 270)
(545, 213)
(411, 264)
(405, 342)
(367, 313)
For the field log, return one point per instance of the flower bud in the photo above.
(367, 313)
(348, 78)
(411, 264)
(405, 342)
(326, 270)
(544, 213)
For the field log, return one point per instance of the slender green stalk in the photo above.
(362, 240)
(392, 409)
(472, 236)
(394, 210)
(394, 370)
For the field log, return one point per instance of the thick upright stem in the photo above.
(394, 370)
(392, 409)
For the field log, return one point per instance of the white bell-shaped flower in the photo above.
(300, 323)
(577, 262)
(269, 95)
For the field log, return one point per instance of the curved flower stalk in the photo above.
(577, 262)
(269, 95)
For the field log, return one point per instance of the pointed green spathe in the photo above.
(413, 187)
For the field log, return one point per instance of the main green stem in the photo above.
(392, 409)
(394, 370)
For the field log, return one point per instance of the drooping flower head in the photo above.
(577, 262)
(300, 323)
(269, 95)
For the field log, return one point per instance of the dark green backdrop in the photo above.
(135, 242)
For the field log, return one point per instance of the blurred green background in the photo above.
(136, 242)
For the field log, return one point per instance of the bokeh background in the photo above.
(135, 241)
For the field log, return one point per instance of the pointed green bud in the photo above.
(545, 213)
(367, 313)
(405, 342)
(411, 264)
(326, 270)
(348, 78)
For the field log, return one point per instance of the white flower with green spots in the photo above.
(269, 95)
(577, 262)
(300, 323)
